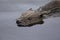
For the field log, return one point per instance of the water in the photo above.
(10, 10)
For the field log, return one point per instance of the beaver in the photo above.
(32, 17)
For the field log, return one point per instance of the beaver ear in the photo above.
(30, 9)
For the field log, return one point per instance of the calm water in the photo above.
(12, 9)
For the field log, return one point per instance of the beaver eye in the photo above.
(29, 18)
(40, 16)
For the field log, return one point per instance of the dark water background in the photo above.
(12, 9)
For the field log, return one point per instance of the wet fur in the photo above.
(47, 10)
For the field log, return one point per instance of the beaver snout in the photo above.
(18, 22)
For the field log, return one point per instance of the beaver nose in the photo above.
(18, 22)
